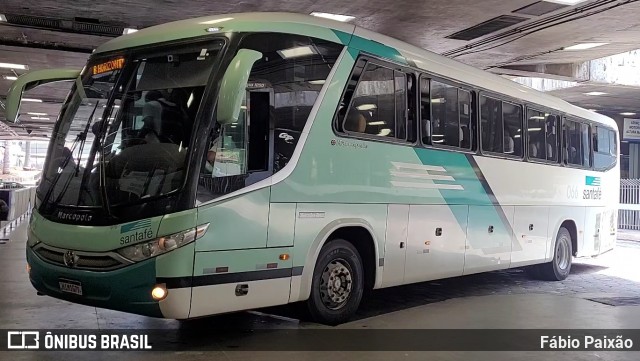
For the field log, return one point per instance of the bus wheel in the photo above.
(558, 269)
(337, 285)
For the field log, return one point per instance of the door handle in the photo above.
(401, 244)
(490, 229)
(531, 227)
(438, 231)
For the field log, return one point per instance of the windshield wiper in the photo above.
(81, 137)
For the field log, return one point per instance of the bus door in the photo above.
(260, 123)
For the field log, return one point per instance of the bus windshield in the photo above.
(124, 135)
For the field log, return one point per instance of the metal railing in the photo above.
(629, 211)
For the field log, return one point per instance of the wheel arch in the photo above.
(340, 228)
(571, 226)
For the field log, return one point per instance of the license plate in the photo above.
(70, 286)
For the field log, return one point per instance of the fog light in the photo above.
(159, 292)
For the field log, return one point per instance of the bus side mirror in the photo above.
(234, 85)
(31, 80)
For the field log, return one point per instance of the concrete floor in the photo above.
(508, 299)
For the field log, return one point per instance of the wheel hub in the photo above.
(336, 283)
(562, 256)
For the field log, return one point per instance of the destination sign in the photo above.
(107, 66)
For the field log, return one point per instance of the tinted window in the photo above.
(604, 148)
(585, 146)
(577, 150)
(512, 115)
(379, 104)
(491, 125)
(542, 139)
(551, 131)
(425, 109)
(536, 141)
(450, 116)
(501, 126)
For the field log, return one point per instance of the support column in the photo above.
(27, 154)
(7, 158)
(634, 160)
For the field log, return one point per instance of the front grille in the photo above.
(84, 260)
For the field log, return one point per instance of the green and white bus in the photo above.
(240, 161)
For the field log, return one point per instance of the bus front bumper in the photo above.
(127, 289)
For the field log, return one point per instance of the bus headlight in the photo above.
(160, 245)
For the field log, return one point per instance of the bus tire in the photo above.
(338, 283)
(560, 266)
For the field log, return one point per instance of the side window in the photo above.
(425, 109)
(613, 144)
(585, 145)
(464, 105)
(512, 115)
(500, 126)
(450, 116)
(551, 136)
(379, 106)
(572, 140)
(536, 140)
(400, 91)
(542, 136)
(604, 148)
(491, 125)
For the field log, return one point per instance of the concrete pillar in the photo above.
(7, 158)
(27, 154)
(634, 160)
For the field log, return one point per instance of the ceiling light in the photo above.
(385, 132)
(317, 82)
(31, 100)
(128, 31)
(595, 93)
(627, 113)
(565, 2)
(593, 110)
(584, 46)
(37, 114)
(213, 30)
(9, 77)
(40, 118)
(380, 122)
(13, 66)
(337, 17)
(296, 52)
(437, 100)
(366, 107)
(215, 21)
(3, 18)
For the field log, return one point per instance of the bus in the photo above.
(240, 161)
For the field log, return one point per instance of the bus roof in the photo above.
(344, 33)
